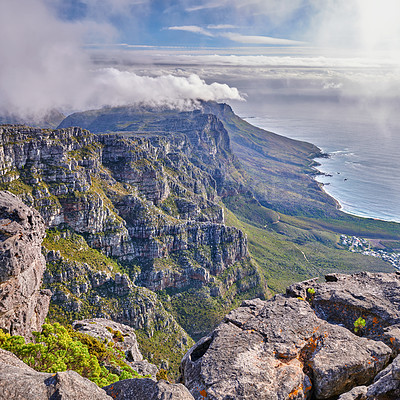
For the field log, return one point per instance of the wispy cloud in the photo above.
(221, 26)
(263, 40)
(191, 28)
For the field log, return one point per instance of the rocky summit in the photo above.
(306, 344)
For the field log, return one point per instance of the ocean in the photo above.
(363, 170)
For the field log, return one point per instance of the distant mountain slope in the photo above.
(275, 167)
(49, 120)
(267, 183)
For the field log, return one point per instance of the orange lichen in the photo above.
(295, 392)
(203, 393)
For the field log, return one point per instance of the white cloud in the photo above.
(191, 28)
(266, 40)
(43, 66)
(221, 26)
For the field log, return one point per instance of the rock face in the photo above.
(137, 199)
(148, 202)
(18, 381)
(302, 345)
(23, 306)
(104, 329)
(140, 389)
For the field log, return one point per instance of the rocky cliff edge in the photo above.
(318, 341)
(23, 306)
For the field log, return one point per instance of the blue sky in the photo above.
(194, 23)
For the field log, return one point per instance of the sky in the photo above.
(80, 54)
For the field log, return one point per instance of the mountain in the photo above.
(51, 119)
(155, 221)
(292, 225)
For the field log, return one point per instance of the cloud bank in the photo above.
(43, 66)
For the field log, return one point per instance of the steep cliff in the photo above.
(23, 305)
(130, 213)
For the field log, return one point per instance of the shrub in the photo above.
(57, 348)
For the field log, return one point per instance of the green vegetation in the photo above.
(359, 324)
(288, 252)
(75, 248)
(164, 347)
(57, 348)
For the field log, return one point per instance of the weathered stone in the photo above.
(141, 389)
(122, 335)
(20, 382)
(342, 299)
(23, 306)
(280, 349)
(144, 368)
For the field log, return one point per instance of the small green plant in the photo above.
(359, 324)
(311, 291)
(117, 335)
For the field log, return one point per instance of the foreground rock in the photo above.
(302, 345)
(147, 389)
(23, 306)
(124, 338)
(20, 382)
(342, 299)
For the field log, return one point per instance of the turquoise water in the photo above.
(364, 163)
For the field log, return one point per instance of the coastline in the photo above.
(339, 206)
(364, 181)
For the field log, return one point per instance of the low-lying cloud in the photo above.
(43, 66)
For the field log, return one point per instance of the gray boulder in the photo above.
(386, 386)
(20, 382)
(147, 389)
(23, 305)
(342, 299)
(279, 349)
(105, 329)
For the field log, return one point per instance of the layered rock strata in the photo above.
(137, 199)
(23, 305)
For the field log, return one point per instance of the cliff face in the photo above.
(136, 199)
(23, 306)
(130, 213)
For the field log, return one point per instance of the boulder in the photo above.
(279, 349)
(18, 381)
(147, 389)
(122, 335)
(23, 305)
(342, 299)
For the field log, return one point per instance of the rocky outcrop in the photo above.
(386, 386)
(23, 306)
(124, 338)
(304, 344)
(104, 329)
(140, 389)
(19, 381)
